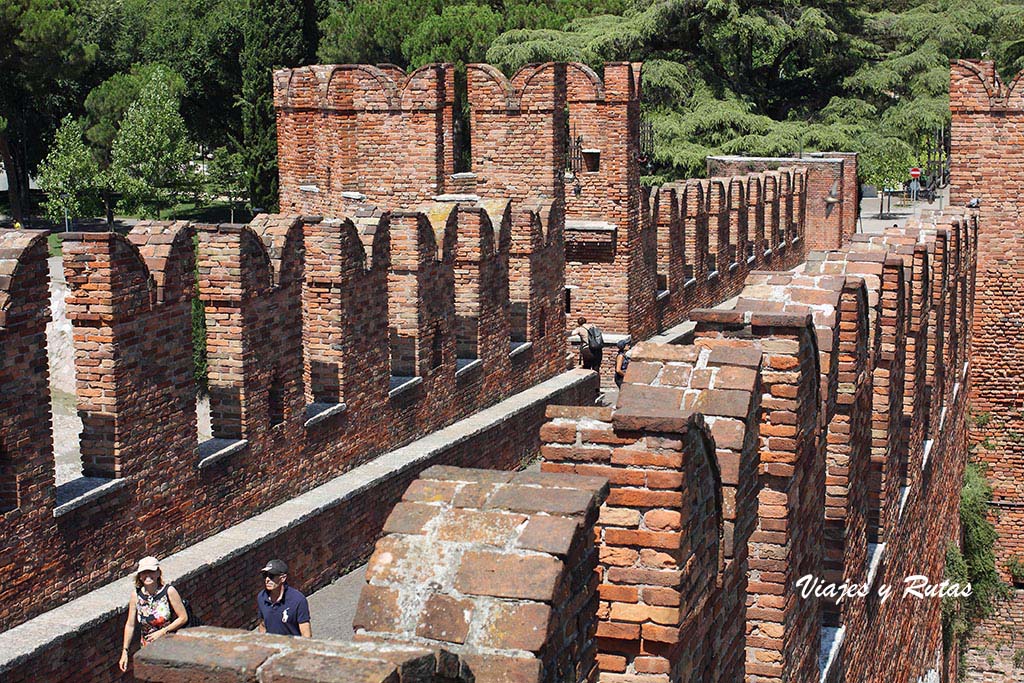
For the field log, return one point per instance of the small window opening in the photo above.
(568, 300)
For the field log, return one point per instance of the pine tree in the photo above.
(274, 35)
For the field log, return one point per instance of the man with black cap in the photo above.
(283, 610)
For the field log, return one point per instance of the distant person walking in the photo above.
(156, 606)
(622, 360)
(591, 344)
(283, 610)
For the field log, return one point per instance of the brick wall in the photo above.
(362, 129)
(130, 302)
(508, 561)
(832, 199)
(210, 653)
(986, 160)
(803, 387)
(736, 464)
(319, 547)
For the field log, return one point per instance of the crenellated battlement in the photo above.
(735, 464)
(328, 341)
(562, 132)
(802, 383)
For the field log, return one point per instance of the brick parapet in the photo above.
(830, 204)
(260, 309)
(27, 494)
(782, 630)
(209, 653)
(660, 530)
(322, 533)
(363, 129)
(878, 512)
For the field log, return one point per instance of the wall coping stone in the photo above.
(85, 490)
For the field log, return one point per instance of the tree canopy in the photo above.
(763, 77)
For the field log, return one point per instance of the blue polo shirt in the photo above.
(283, 617)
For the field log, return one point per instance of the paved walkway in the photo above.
(897, 213)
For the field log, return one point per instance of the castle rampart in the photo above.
(271, 333)
(816, 426)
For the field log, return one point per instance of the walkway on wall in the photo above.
(262, 534)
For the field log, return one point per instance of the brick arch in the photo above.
(257, 273)
(360, 87)
(282, 240)
(536, 85)
(302, 87)
(1015, 92)
(490, 89)
(439, 232)
(419, 90)
(19, 247)
(129, 278)
(974, 85)
(171, 263)
(583, 84)
(396, 73)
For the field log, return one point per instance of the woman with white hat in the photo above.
(156, 606)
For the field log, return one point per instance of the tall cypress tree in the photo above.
(275, 35)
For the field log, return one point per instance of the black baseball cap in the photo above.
(275, 567)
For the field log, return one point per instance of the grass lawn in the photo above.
(213, 212)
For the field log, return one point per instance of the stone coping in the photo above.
(49, 629)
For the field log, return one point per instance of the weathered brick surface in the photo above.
(490, 565)
(803, 385)
(350, 130)
(816, 427)
(986, 159)
(27, 495)
(218, 654)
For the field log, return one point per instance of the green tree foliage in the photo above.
(105, 107)
(975, 563)
(227, 176)
(68, 174)
(41, 55)
(459, 34)
(274, 35)
(409, 32)
(151, 156)
(768, 78)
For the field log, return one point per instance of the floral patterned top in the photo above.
(153, 611)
